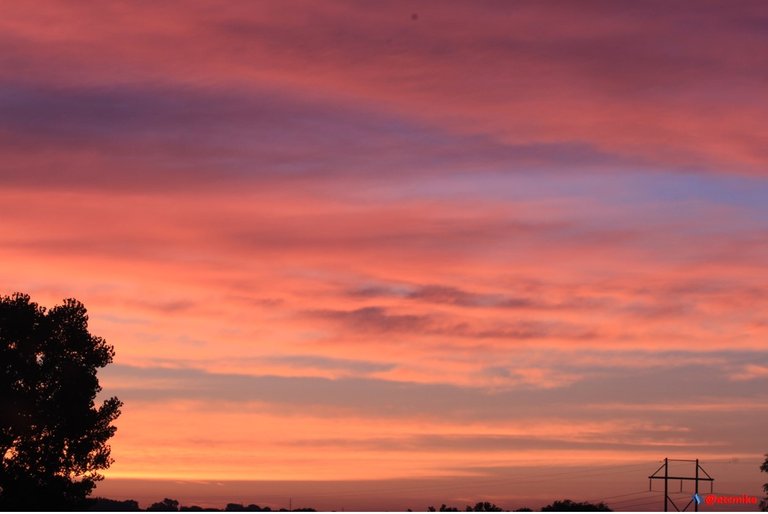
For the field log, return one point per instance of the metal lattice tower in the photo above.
(667, 477)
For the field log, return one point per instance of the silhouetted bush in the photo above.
(764, 501)
(572, 506)
(107, 505)
(478, 507)
(484, 507)
(167, 505)
(238, 507)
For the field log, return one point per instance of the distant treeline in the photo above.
(169, 505)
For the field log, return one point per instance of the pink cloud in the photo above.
(623, 80)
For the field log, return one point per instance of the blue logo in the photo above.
(697, 499)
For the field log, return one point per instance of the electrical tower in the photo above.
(695, 499)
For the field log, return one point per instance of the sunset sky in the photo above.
(388, 251)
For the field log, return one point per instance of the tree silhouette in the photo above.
(107, 505)
(484, 507)
(167, 505)
(53, 439)
(238, 507)
(764, 501)
(478, 507)
(572, 506)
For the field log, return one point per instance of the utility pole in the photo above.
(696, 493)
(666, 482)
(666, 477)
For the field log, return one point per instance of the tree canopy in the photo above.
(764, 501)
(53, 437)
(167, 505)
(478, 507)
(572, 506)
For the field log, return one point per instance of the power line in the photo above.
(630, 500)
(731, 461)
(633, 500)
(517, 478)
(604, 498)
(636, 505)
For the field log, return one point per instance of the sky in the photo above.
(388, 255)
